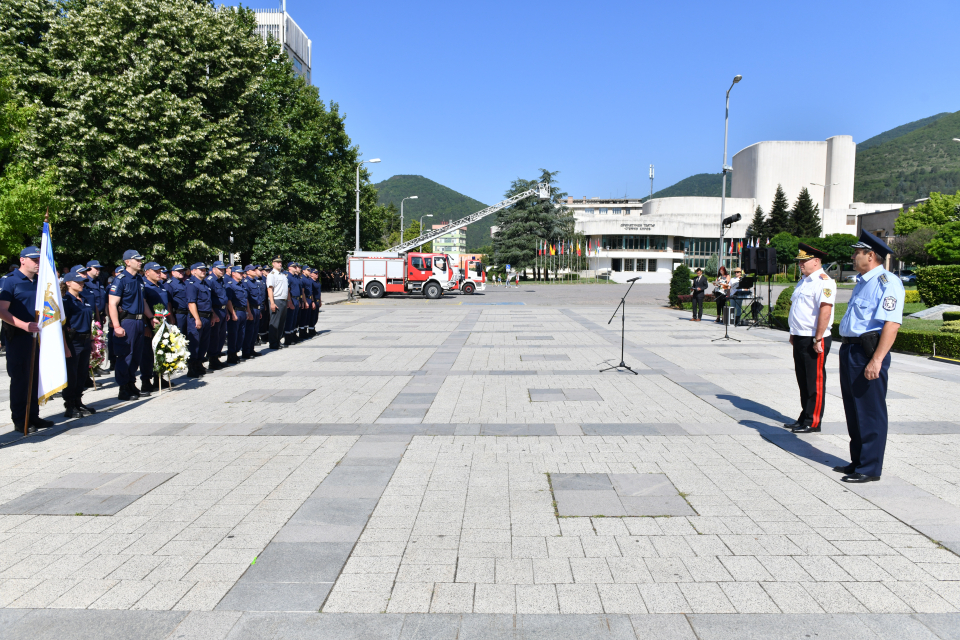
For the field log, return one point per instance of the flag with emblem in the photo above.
(52, 363)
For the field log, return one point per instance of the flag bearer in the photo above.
(17, 304)
(199, 302)
(79, 314)
(155, 294)
(868, 330)
(127, 310)
(811, 318)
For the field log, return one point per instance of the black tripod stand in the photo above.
(623, 327)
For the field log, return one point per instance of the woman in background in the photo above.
(721, 292)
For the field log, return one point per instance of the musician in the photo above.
(721, 291)
(737, 294)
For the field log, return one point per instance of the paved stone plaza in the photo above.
(461, 469)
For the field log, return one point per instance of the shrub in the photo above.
(947, 344)
(679, 284)
(939, 284)
(951, 315)
(912, 297)
(951, 326)
(783, 301)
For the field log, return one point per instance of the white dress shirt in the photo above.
(810, 292)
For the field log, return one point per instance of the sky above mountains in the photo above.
(474, 95)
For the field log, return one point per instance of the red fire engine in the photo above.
(377, 273)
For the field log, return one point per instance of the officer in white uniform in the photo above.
(811, 318)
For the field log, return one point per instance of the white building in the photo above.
(296, 44)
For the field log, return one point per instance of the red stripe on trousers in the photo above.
(819, 404)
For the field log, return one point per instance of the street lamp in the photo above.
(401, 215)
(429, 215)
(726, 169)
(375, 160)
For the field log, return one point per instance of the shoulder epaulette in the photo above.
(883, 278)
(824, 276)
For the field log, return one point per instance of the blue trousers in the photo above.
(293, 315)
(236, 333)
(180, 319)
(23, 390)
(129, 350)
(250, 332)
(78, 370)
(198, 339)
(146, 360)
(865, 404)
(218, 335)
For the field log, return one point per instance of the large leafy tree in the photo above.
(779, 219)
(805, 216)
(532, 219)
(935, 212)
(945, 246)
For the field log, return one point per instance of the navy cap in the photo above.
(198, 265)
(94, 264)
(177, 267)
(30, 252)
(74, 277)
(250, 267)
(869, 241)
(118, 269)
(163, 269)
(292, 264)
(219, 264)
(151, 266)
(78, 268)
(132, 254)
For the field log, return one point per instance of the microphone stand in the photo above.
(623, 327)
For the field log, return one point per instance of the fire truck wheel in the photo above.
(432, 291)
(469, 288)
(375, 290)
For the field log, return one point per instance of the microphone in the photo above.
(633, 279)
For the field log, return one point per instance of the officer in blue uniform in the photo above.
(93, 284)
(242, 313)
(155, 295)
(868, 330)
(223, 311)
(293, 297)
(78, 320)
(200, 305)
(128, 310)
(177, 296)
(249, 283)
(264, 330)
(315, 313)
(17, 304)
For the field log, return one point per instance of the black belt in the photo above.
(856, 339)
(77, 334)
(123, 315)
(205, 314)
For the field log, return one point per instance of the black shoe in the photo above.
(72, 412)
(847, 470)
(146, 388)
(192, 372)
(231, 359)
(88, 384)
(124, 394)
(802, 429)
(132, 388)
(859, 478)
(796, 424)
(86, 409)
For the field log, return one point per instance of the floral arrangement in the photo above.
(98, 346)
(169, 350)
(160, 312)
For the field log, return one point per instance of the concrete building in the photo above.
(296, 44)
(453, 243)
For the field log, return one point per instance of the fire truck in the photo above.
(473, 277)
(400, 270)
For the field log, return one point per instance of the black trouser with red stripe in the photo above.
(811, 378)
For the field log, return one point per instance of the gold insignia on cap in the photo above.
(803, 255)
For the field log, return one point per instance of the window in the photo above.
(603, 212)
(628, 264)
(440, 263)
(626, 212)
(641, 264)
(590, 211)
(616, 212)
(651, 265)
(851, 219)
(427, 264)
(417, 262)
(616, 264)
(613, 242)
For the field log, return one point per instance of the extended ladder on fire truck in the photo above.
(542, 190)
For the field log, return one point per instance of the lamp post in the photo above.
(401, 215)
(375, 160)
(726, 169)
(429, 215)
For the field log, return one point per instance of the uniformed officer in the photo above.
(293, 303)
(93, 284)
(306, 304)
(242, 314)
(200, 305)
(318, 302)
(250, 283)
(164, 274)
(155, 295)
(811, 318)
(223, 311)
(177, 296)
(78, 320)
(17, 304)
(128, 310)
(868, 331)
(264, 331)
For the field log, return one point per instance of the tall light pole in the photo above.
(375, 160)
(401, 215)
(651, 181)
(429, 215)
(726, 169)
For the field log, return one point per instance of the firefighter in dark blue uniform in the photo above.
(155, 295)
(264, 329)
(242, 314)
(303, 319)
(200, 305)
(293, 301)
(250, 283)
(317, 303)
(868, 331)
(223, 310)
(78, 320)
(17, 304)
(127, 313)
(92, 284)
(177, 295)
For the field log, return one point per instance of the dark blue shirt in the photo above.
(219, 297)
(237, 294)
(130, 291)
(21, 293)
(262, 284)
(306, 285)
(94, 288)
(79, 313)
(253, 291)
(155, 295)
(199, 293)
(294, 284)
(316, 290)
(177, 294)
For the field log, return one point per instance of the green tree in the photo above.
(787, 248)
(713, 266)
(779, 219)
(935, 212)
(531, 219)
(680, 283)
(945, 245)
(758, 226)
(805, 216)
(411, 232)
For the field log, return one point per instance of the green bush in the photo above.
(679, 284)
(783, 301)
(912, 297)
(951, 315)
(953, 326)
(947, 344)
(939, 284)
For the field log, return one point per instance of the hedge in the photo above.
(912, 297)
(939, 284)
(951, 315)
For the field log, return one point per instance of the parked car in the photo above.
(906, 276)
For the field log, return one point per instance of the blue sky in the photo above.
(474, 95)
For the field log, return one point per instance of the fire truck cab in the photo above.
(473, 277)
(377, 273)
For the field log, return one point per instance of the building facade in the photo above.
(453, 243)
(298, 47)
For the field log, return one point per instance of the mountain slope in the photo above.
(911, 166)
(443, 203)
(701, 184)
(896, 132)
